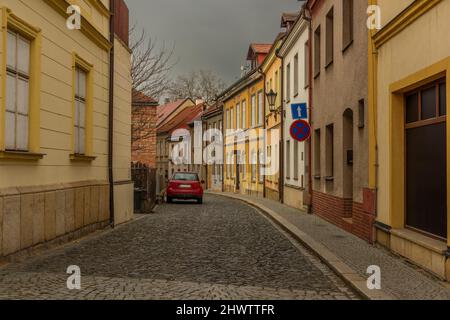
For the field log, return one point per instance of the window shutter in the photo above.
(23, 63)
(11, 55)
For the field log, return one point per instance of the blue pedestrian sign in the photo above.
(299, 111)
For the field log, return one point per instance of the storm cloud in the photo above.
(211, 34)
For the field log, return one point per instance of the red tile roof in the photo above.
(258, 49)
(182, 119)
(140, 98)
(167, 109)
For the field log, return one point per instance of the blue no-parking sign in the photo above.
(299, 111)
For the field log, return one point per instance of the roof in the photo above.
(258, 48)
(141, 99)
(167, 109)
(288, 17)
(216, 108)
(181, 120)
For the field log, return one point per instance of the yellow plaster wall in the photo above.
(414, 49)
(55, 129)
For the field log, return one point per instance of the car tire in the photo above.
(200, 201)
(169, 200)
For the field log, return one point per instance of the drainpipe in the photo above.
(281, 156)
(260, 71)
(111, 113)
(310, 100)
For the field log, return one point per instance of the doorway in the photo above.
(426, 160)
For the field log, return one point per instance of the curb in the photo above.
(348, 274)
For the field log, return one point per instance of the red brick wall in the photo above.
(345, 214)
(144, 135)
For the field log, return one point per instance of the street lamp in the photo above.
(272, 98)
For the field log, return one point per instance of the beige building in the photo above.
(409, 67)
(55, 123)
(339, 100)
(295, 55)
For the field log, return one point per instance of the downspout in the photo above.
(310, 100)
(260, 71)
(281, 156)
(111, 113)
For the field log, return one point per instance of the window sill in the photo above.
(329, 64)
(317, 177)
(329, 179)
(82, 158)
(20, 155)
(317, 75)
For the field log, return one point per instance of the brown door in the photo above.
(426, 161)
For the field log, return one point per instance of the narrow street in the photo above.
(222, 249)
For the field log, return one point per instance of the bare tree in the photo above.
(203, 83)
(150, 64)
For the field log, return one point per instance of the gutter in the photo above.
(310, 98)
(111, 113)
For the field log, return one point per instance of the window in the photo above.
(253, 111)
(426, 104)
(296, 75)
(329, 38)
(261, 167)
(288, 159)
(80, 112)
(347, 24)
(260, 108)
(253, 164)
(307, 64)
(244, 114)
(317, 154)
(317, 52)
(296, 161)
(329, 150)
(17, 92)
(361, 114)
(232, 118)
(238, 116)
(288, 82)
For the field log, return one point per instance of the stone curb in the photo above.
(350, 276)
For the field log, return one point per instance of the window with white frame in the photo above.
(80, 111)
(253, 111)
(238, 116)
(244, 114)
(261, 166)
(17, 92)
(260, 108)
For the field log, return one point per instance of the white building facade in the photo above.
(295, 54)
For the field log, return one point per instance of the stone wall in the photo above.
(32, 216)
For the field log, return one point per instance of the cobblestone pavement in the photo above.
(223, 249)
(400, 278)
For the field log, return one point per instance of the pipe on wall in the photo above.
(112, 6)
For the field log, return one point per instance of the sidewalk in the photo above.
(350, 256)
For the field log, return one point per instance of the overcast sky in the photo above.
(211, 34)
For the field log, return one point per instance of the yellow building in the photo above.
(54, 123)
(243, 114)
(409, 66)
(272, 69)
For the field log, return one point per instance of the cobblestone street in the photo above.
(223, 249)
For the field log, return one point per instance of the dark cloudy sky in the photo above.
(211, 34)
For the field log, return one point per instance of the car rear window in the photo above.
(185, 177)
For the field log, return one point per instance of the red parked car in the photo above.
(186, 186)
